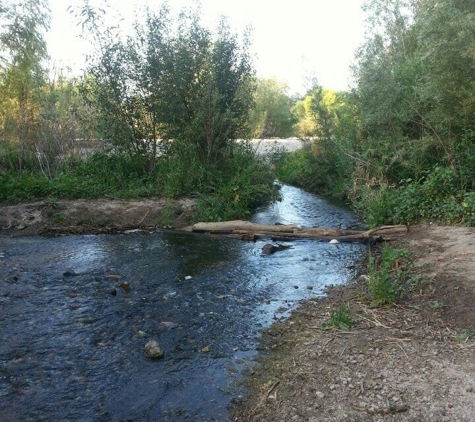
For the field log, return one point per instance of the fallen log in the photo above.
(250, 231)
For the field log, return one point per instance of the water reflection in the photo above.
(72, 350)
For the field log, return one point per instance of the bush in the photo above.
(239, 185)
(230, 189)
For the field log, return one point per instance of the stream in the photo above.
(72, 342)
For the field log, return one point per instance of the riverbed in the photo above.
(76, 312)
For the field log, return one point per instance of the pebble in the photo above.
(168, 325)
(69, 273)
(113, 292)
(373, 409)
(320, 395)
(153, 350)
(469, 389)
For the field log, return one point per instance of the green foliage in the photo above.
(341, 319)
(438, 196)
(21, 72)
(315, 171)
(386, 277)
(174, 80)
(465, 334)
(401, 145)
(237, 189)
(272, 116)
(240, 183)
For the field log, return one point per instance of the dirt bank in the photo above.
(411, 362)
(94, 216)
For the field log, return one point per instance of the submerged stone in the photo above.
(153, 350)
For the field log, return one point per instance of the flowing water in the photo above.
(72, 346)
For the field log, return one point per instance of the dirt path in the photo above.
(411, 362)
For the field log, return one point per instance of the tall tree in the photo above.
(23, 50)
(174, 80)
(272, 116)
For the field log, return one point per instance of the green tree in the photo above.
(174, 80)
(272, 115)
(21, 71)
(305, 127)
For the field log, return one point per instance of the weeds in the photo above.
(465, 334)
(437, 304)
(386, 277)
(340, 319)
(166, 218)
(230, 189)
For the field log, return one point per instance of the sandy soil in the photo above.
(411, 362)
(94, 216)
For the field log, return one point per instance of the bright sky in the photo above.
(292, 40)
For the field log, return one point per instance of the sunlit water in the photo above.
(72, 351)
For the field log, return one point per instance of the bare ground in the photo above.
(411, 362)
(94, 216)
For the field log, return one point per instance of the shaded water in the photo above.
(70, 350)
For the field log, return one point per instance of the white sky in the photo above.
(292, 40)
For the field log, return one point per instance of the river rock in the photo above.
(153, 350)
(269, 248)
(167, 325)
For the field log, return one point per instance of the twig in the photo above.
(393, 339)
(140, 222)
(375, 322)
(407, 357)
(268, 392)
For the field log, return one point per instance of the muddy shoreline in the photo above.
(409, 362)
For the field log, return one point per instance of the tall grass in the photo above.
(232, 188)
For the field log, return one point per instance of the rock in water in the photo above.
(269, 248)
(153, 350)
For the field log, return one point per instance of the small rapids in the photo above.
(72, 342)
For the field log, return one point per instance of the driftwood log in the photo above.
(251, 231)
